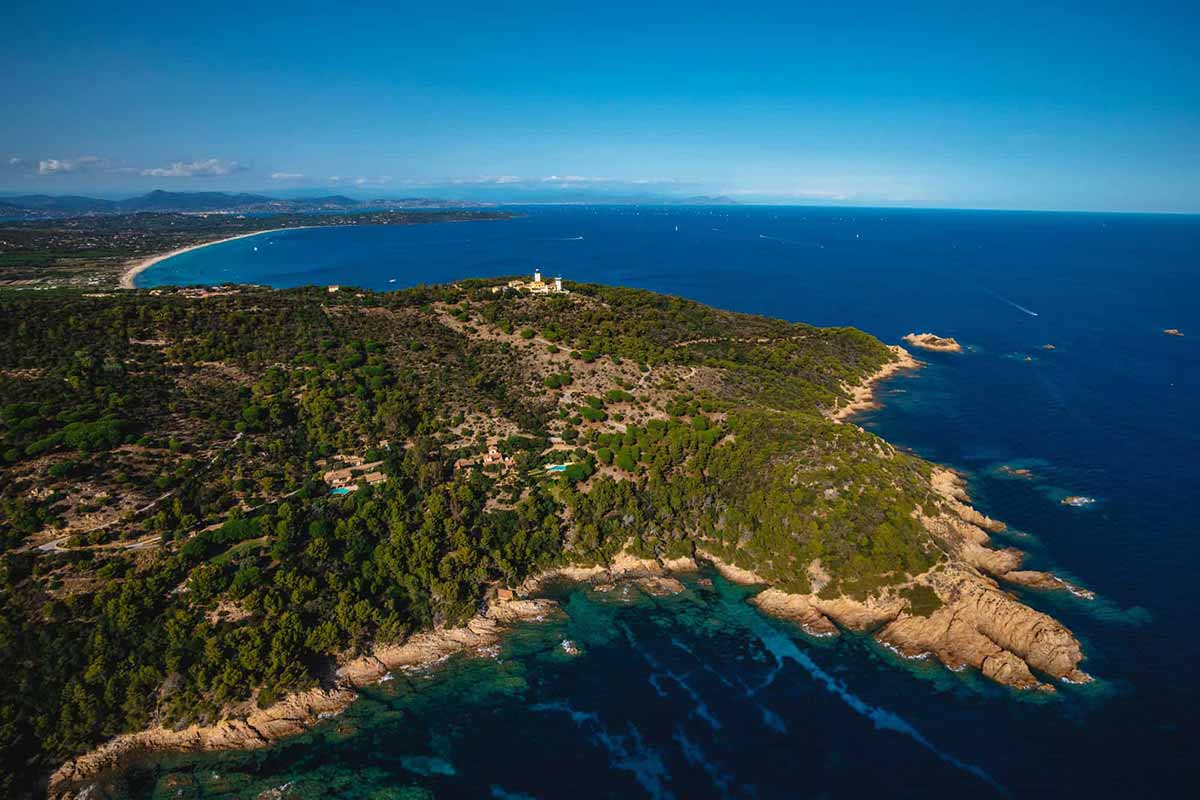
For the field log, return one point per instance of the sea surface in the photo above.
(699, 695)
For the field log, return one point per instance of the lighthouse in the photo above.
(558, 284)
(537, 276)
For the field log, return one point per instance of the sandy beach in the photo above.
(138, 267)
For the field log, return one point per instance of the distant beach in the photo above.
(137, 268)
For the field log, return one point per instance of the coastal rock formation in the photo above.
(951, 486)
(975, 623)
(795, 608)
(862, 395)
(654, 576)
(930, 341)
(285, 718)
(429, 647)
(298, 712)
(1032, 579)
(983, 627)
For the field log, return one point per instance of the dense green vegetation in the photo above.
(236, 576)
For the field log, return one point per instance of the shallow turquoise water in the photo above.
(700, 696)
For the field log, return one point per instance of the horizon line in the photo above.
(661, 200)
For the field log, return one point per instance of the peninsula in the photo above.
(226, 511)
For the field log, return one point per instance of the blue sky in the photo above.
(1090, 106)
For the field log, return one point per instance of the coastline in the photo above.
(977, 624)
(250, 728)
(862, 395)
(138, 267)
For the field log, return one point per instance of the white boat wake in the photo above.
(1017, 306)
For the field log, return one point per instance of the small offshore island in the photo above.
(231, 508)
(930, 341)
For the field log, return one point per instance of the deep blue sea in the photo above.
(699, 696)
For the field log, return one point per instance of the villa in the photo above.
(492, 457)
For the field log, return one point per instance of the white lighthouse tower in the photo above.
(537, 276)
(558, 284)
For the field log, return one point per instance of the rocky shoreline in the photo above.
(256, 728)
(976, 624)
(862, 395)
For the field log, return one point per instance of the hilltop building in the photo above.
(538, 286)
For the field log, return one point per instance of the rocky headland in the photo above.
(965, 619)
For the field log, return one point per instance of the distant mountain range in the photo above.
(44, 205)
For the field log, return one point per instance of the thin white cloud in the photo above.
(574, 179)
(208, 168)
(485, 180)
(377, 181)
(62, 166)
(286, 176)
(796, 194)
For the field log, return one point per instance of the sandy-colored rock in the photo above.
(991, 561)
(858, 615)
(625, 566)
(862, 395)
(298, 712)
(288, 717)
(678, 566)
(978, 621)
(930, 341)
(730, 572)
(659, 585)
(953, 490)
(795, 608)
(1046, 581)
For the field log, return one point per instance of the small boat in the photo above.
(391, 280)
